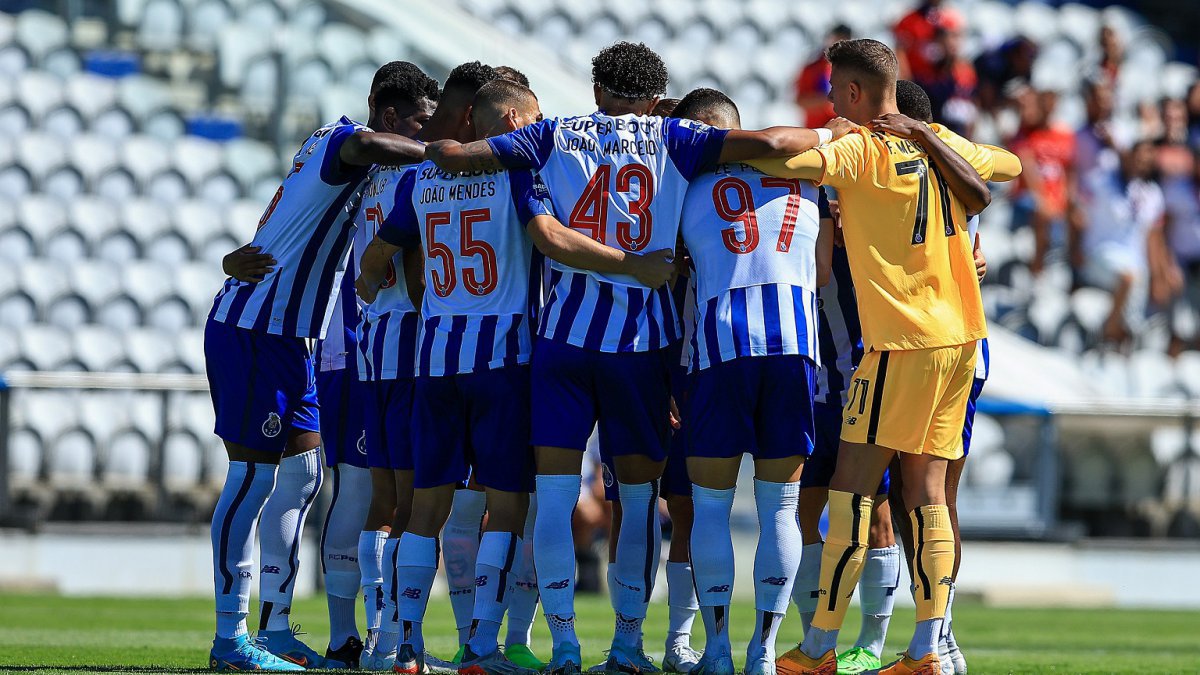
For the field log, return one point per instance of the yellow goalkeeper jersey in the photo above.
(906, 235)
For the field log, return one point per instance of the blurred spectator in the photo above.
(812, 84)
(1047, 152)
(1174, 155)
(1193, 110)
(917, 46)
(1123, 247)
(1112, 52)
(1098, 145)
(1182, 195)
(952, 82)
(1000, 69)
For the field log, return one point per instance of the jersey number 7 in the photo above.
(479, 281)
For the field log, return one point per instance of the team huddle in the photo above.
(488, 288)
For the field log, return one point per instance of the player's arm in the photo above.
(777, 142)
(414, 274)
(372, 268)
(980, 260)
(580, 251)
(248, 264)
(963, 180)
(525, 148)
(1007, 165)
(364, 148)
(825, 251)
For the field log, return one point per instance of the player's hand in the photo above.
(248, 264)
(652, 269)
(840, 126)
(676, 419)
(899, 125)
(365, 289)
(980, 264)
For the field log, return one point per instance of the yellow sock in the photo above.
(842, 557)
(934, 560)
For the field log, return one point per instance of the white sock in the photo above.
(280, 528)
(554, 554)
(523, 607)
(389, 628)
(638, 550)
(948, 622)
(808, 578)
(775, 561)
(339, 549)
(498, 553)
(460, 545)
(925, 638)
(247, 487)
(681, 598)
(370, 566)
(877, 595)
(416, 565)
(712, 563)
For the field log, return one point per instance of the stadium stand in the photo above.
(135, 171)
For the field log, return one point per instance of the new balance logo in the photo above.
(775, 581)
(411, 593)
(481, 580)
(558, 585)
(723, 588)
(946, 581)
(852, 420)
(270, 569)
(622, 584)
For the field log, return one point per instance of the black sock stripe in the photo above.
(394, 588)
(839, 571)
(265, 614)
(928, 592)
(294, 554)
(337, 487)
(226, 523)
(877, 397)
(509, 558)
(651, 524)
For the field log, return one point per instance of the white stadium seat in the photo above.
(46, 347)
(99, 349)
(90, 94)
(40, 32)
(161, 25)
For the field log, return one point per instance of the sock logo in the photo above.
(558, 585)
(245, 575)
(946, 581)
(481, 580)
(362, 443)
(272, 426)
(269, 569)
(622, 584)
(341, 556)
(774, 581)
(723, 588)
(411, 593)
(851, 420)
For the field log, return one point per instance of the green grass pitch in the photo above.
(50, 634)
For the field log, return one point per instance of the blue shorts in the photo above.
(818, 470)
(972, 402)
(343, 416)
(262, 386)
(762, 405)
(473, 424)
(675, 479)
(626, 394)
(389, 424)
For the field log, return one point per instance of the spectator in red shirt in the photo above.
(917, 47)
(1040, 196)
(812, 84)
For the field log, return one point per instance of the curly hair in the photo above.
(631, 71)
(913, 101)
(402, 82)
(512, 74)
(469, 77)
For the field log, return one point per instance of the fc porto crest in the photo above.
(272, 426)
(362, 443)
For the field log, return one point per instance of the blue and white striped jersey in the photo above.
(840, 335)
(340, 340)
(753, 240)
(983, 363)
(620, 180)
(387, 334)
(475, 312)
(307, 228)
